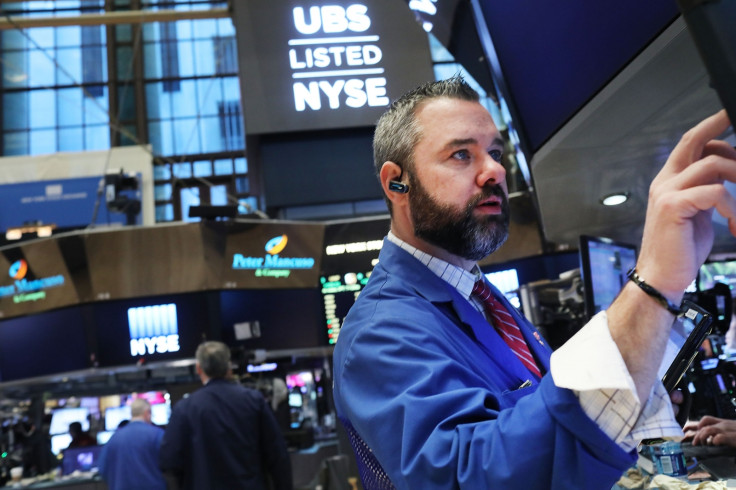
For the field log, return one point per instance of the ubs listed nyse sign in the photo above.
(334, 59)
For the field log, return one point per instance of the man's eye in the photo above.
(461, 154)
(496, 155)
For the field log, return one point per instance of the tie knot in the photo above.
(482, 290)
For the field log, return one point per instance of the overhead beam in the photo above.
(111, 18)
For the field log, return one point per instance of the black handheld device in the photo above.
(696, 324)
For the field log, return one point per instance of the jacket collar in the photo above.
(429, 286)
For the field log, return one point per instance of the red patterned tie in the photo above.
(505, 325)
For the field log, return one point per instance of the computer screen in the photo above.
(103, 436)
(59, 442)
(507, 281)
(339, 292)
(80, 459)
(604, 264)
(62, 417)
(160, 413)
(714, 272)
(115, 415)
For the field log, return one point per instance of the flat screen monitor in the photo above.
(63, 347)
(339, 292)
(160, 413)
(604, 264)
(115, 415)
(567, 54)
(81, 459)
(714, 272)
(274, 318)
(156, 328)
(59, 442)
(103, 436)
(296, 400)
(62, 417)
(507, 281)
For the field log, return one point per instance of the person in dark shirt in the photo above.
(80, 438)
(129, 460)
(224, 435)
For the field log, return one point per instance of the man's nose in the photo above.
(491, 172)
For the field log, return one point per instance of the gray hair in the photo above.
(397, 131)
(139, 407)
(214, 358)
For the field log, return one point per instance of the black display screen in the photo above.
(272, 319)
(41, 344)
(158, 328)
(605, 264)
(553, 59)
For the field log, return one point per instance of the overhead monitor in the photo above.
(553, 60)
(604, 265)
(156, 328)
(272, 319)
(56, 341)
(326, 64)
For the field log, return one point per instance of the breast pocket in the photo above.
(509, 398)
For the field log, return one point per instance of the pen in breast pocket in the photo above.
(525, 384)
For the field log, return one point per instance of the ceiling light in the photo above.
(41, 230)
(13, 234)
(615, 199)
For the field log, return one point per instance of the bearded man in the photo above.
(441, 383)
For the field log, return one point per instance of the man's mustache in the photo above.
(493, 190)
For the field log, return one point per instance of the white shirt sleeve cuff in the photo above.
(590, 360)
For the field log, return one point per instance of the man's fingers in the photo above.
(691, 146)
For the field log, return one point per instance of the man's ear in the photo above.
(391, 176)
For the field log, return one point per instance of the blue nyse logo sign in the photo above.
(153, 330)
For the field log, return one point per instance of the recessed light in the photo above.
(615, 199)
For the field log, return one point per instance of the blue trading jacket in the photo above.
(430, 387)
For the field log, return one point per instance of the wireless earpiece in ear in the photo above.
(396, 186)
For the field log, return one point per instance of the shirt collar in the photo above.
(455, 276)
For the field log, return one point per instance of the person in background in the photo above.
(129, 460)
(224, 435)
(441, 382)
(80, 438)
(280, 404)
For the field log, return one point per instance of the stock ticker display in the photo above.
(339, 292)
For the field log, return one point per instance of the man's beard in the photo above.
(459, 231)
